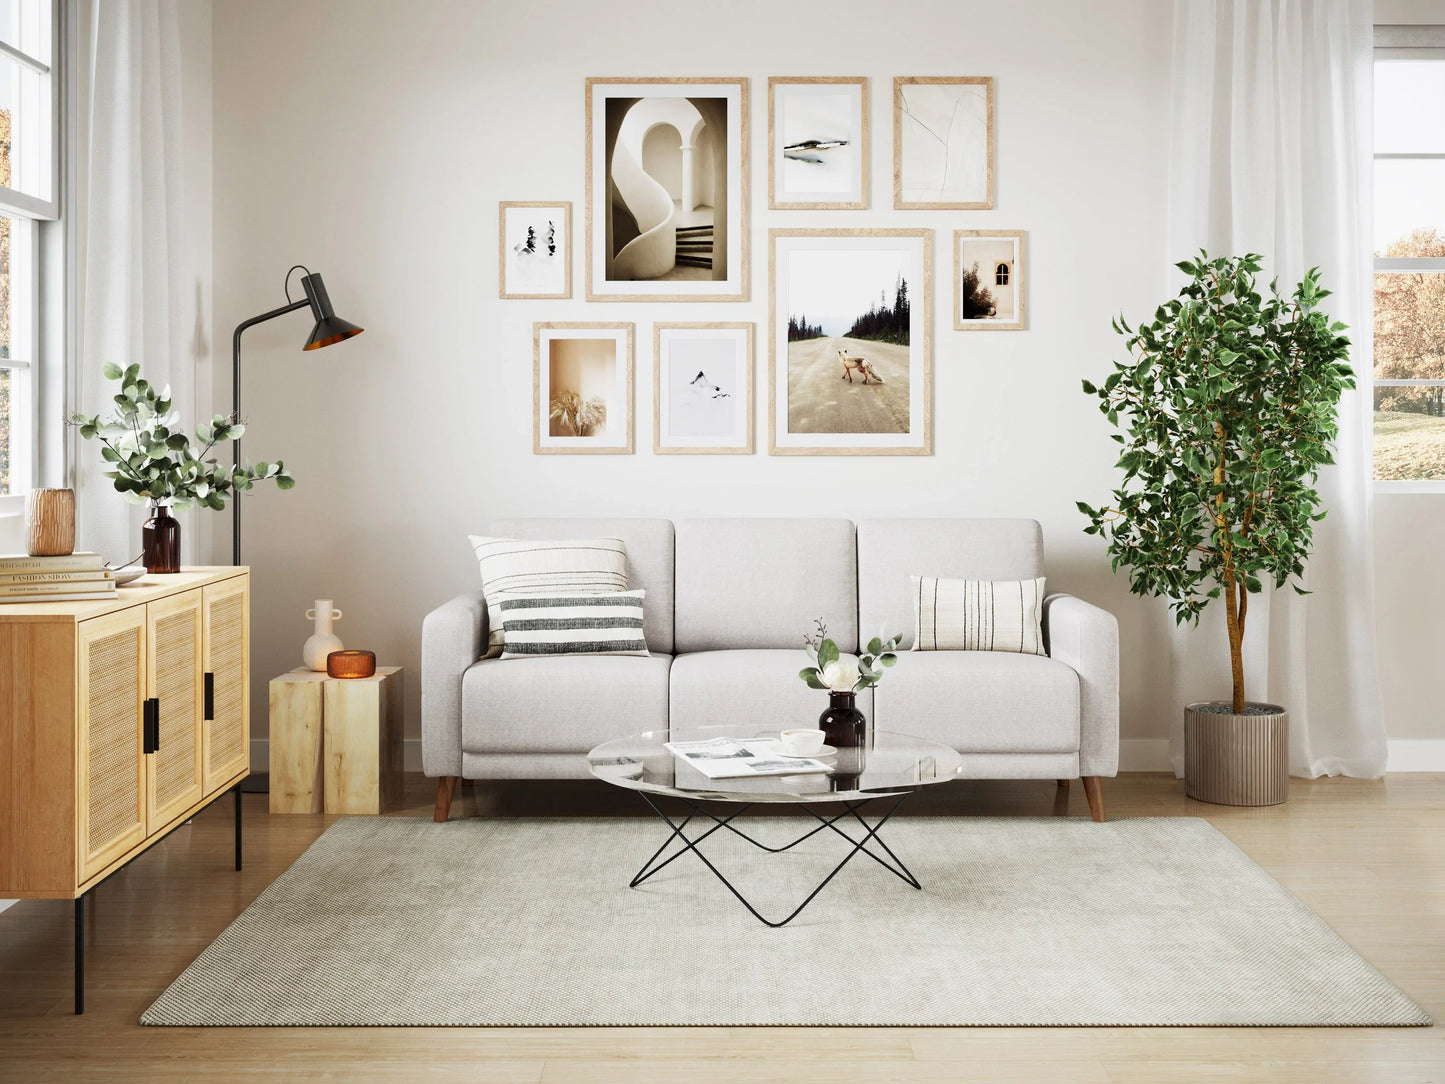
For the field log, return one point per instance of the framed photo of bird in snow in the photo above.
(818, 143)
(535, 250)
(702, 389)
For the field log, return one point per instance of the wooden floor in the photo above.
(1369, 857)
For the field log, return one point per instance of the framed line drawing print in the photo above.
(667, 189)
(702, 388)
(850, 342)
(582, 388)
(818, 143)
(534, 242)
(943, 142)
(989, 280)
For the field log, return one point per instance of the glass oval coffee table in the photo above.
(888, 769)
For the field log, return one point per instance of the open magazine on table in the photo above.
(734, 758)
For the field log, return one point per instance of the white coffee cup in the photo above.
(802, 743)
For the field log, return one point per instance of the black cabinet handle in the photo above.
(151, 726)
(210, 695)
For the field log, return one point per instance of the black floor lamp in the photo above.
(329, 329)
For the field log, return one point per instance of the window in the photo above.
(1000, 275)
(1409, 257)
(28, 164)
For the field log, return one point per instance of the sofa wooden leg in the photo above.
(1094, 791)
(446, 787)
(1063, 782)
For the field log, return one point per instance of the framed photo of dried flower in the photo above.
(818, 143)
(943, 142)
(534, 243)
(851, 345)
(582, 388)
(988, 280)
(702, 389)
(667, 189)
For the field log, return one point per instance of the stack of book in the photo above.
(74, 578)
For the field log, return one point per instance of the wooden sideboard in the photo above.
(119, 720)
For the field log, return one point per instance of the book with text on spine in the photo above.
(72, 562)
(93, 582)
(9, 578)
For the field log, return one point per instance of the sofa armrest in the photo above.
(452, 639)
(1087, 638)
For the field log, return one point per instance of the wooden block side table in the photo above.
(336, 743)
(361, 723)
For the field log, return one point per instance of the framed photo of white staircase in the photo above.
(667, 190)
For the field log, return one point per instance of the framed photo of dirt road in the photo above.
(850, 342)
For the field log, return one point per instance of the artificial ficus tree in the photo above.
(1227, 407)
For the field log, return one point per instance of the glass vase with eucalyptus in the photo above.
(844, 726)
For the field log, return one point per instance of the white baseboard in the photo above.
(1135, 755)
(1416, 755)
(1144, 755)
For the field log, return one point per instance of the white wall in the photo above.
(379, 161)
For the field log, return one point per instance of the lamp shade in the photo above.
(329, 328)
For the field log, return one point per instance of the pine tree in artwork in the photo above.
(530, 245)
(551, 238)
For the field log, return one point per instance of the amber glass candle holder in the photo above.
(351, 664)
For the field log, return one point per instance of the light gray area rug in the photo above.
(1044, 921)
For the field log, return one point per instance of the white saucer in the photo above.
(826, 751)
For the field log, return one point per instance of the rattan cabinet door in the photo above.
(111, 809)
(173, 640)
(227, 622)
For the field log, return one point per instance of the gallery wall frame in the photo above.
(601, 361)
(705, 258)
(943, 142)
(888, 407)
(839, 106)
(513, 278)
(737, 437)
(1001, 258)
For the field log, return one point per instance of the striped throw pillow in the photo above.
(517, 566)
(978, 615)
(568, 624)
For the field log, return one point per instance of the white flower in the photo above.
(841, 676)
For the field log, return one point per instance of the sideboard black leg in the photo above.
(238, 825)
(79, 955)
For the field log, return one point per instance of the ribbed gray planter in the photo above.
(1236, 759)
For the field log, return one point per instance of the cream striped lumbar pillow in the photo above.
(515, 566)
(570, 624)
(978, 615)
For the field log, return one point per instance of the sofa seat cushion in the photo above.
(752, 689)
(982, 701)
(561, 704)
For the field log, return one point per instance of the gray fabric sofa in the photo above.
(728, 602)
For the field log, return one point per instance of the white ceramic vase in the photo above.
(323, 641)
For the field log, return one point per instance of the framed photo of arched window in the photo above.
(989, 280)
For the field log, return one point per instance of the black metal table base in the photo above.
(854, 810)
(80, 909)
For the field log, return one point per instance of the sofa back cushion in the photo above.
(761, 583)
(649, 545)
(892, 550)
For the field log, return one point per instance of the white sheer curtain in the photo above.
(1270, 153)
(130, 243)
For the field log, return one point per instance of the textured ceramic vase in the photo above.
(50, 522)
(160, 538)
(1234, 759)
(323, 641)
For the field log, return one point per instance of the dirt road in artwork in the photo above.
(820, 400)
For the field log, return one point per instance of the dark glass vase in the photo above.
(161, 540)
(843, 725)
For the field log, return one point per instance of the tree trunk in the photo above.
(1234, 619)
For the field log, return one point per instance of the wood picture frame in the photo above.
(509, 238)
(667, 437)
(919, 167)
(600, 373)
(709, 261)
(834, 115)
(999, 256)
(805, 415)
